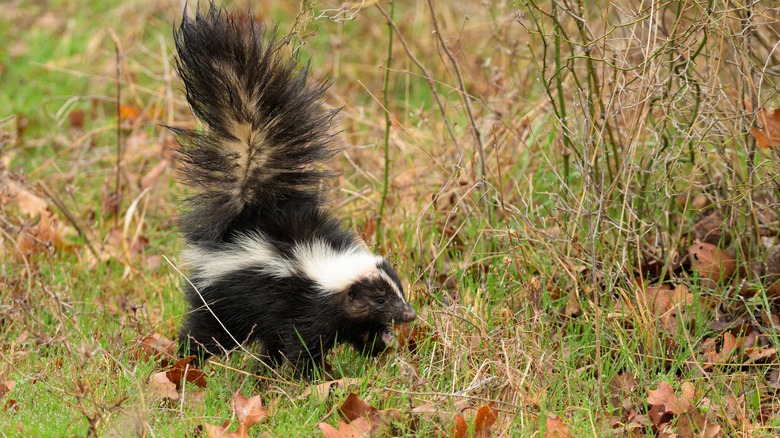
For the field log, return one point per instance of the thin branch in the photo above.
(426, 74)
(464, 95)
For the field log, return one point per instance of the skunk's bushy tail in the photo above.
(266, 130)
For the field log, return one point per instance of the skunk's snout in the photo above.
(409, 314)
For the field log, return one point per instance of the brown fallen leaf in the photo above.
(128, 113)
(6, 387)
(368, 229)
(11, 406)
(221, 431)
(29, 203)
(658, 416)
(694, 424)
(709, 228)
(621, 386)
(249, 411)
(460, 428)
(555, 428)
(711, 263)
(409, 337)
(758, 354)
(767, 129)
(161, 385)
(665, 398)
(76, 118)
(667, 302)
(45, 235)
(155, 346)
(486, 418)
(355, 408)
(359, 428)
(688, 393)
(183, 369)
(712, 357)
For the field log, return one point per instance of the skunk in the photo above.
(268, 264)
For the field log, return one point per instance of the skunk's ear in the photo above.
(352, 292)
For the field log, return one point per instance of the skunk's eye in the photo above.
(380, 300)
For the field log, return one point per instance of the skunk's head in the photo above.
(378, 297)
(363, 286)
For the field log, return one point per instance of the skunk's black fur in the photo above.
(268, 264)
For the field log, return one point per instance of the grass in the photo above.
(606, 140)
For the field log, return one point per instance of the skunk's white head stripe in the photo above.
(250, 251)
(383, 275)
(334, 270)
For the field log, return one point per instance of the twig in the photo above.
(464, 95)
(117, 51)
(426, 74)
(388, 122)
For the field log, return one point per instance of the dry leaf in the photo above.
(11, 406)
(76, 118)
(221, 431)
(486, 417)
(555, 428)
(182, 368)
(368, 229)
(354, 407)
(767, 129)
(688, 393)
(711, 262)
(128, 113)
(621, 386)
(359, 428)
(43, 235)
(155, 346)
(665, 397)
(694, 424)
(249, 411)
(161, 385)
(28, 202)
(6, 387)
(757, 354)
(658, 415)
(410, 337)
(460, 429)
(667, 302)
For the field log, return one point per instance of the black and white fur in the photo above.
(267, 262)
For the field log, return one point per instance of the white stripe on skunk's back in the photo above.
(250, 251)
(332, 270)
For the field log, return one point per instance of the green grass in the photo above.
(525, 285)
